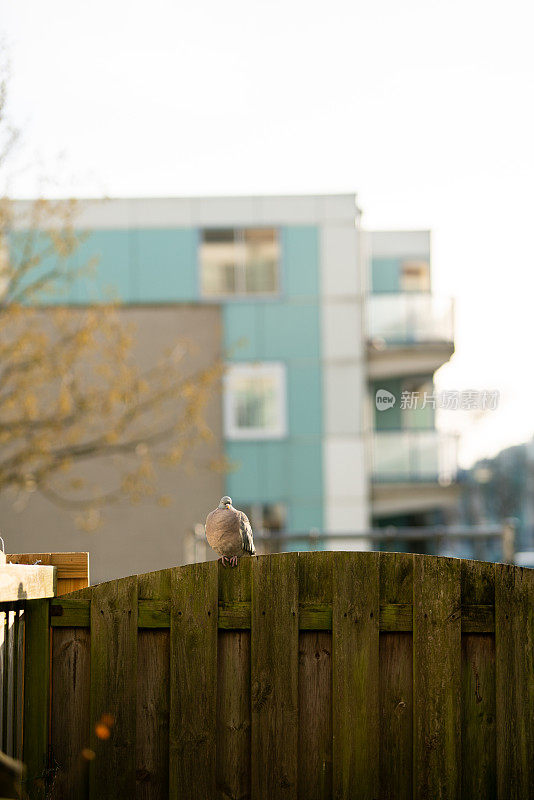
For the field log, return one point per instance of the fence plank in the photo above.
(9, 748)
(70, 734)
(36, 696)
(3, 654)
(193, 682)
(478, 688)
(6, 669)
(16, 696)
(152, 764)
(437, 677)
(355, 648)
(113, 688)
(315, 682)
(514, 674)
(233, 689)
(396, 682)
(274, 676)
(20, 684)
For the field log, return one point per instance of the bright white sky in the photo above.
(423, 108)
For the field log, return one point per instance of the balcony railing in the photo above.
(418, 455)
(410, 318)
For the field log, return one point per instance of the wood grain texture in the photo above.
(70, 729)
(10, 706)
(3, 656)
(6, 659)
(19, 711)
(436, 677)
(193, 682)
(355, 650)
(113, 689)
(478, 687)
(315, 682)
(16, 717)
(36, 697)
(233, 690)
(274, 676)
(235, 615)
(20, 582)
(153, 650)
(323, 710)
(70, 613)
(514, 679)
(69, 565)
(396, 683)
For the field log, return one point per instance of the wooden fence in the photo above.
(25, 590)
(315, 675)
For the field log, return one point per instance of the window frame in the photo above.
(239, 241)
(276, 369)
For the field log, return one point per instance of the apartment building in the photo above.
(314, 317)
(409, 335)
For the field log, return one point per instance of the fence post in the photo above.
(36, 696)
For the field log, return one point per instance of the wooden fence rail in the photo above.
(305, 676)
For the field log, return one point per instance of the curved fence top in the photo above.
(297, 675)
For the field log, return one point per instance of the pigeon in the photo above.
(229, 533)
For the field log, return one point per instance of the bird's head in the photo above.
(225, 502)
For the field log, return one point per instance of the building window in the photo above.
(415, 276)
(239, 261)
(255, 401)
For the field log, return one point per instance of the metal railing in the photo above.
(488, 542)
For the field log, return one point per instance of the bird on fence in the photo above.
(229, 533)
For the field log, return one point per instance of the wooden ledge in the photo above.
(20, 582)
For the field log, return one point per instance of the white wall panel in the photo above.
(386, 244)
(339, 255)
(342, 330)
(345, 467)
(344, 389)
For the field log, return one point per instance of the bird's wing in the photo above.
(246, 534)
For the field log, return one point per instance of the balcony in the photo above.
(414, 456)
(413, 471)
(408, 333)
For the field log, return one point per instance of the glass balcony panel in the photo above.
(406, 318)
(414, 456)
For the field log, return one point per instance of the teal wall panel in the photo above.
(23, 246)
(244, 479)
(300, 261)
(272, 330)
(241, 330)
(290, 330)
(285, 329)
(303, 518)
(390, 418)
(305, 398)
(111, 278)
(306, 469)
(132, 266)
(385, 275)
(165, 265)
